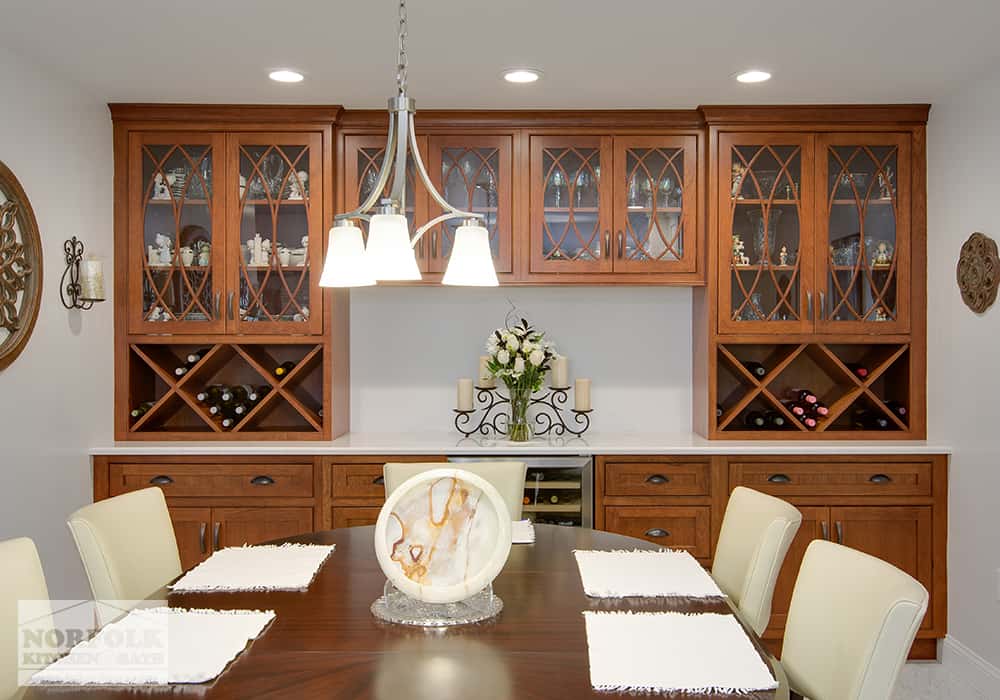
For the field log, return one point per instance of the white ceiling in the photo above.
(594, 53)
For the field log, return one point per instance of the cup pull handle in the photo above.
(161, 480)
(880, 479)
(657, 532)
(779, 479)
(262, 480)
(657, 479)
(215, 535)
(378, 481)
(825, 528)
(201, 538)
(840, 532)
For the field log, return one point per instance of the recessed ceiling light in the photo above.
(522, 75)
(285, 76)
(753, 76)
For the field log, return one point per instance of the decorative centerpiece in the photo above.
(520, 357)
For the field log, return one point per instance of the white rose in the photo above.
(512, 344)
(537, 357)
(503, 357)
(527, 346)
(518, 364)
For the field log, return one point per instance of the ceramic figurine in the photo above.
(303, 316)
(161, 190)
(883, 255)
(783, 255)
(152, 256)
(297, 188)
(260, 251)
(880, 314)
(187, 256)
(885, 184)
(204, 253)
(157, 314)
(739, 258)
(284, 255)
(304, 179)
(739, 172)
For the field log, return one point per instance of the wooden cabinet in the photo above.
(234, 527)
(676, 527)
(357, 488)
(191, 528)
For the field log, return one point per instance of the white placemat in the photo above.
(156, 646)
(662, 652)
(522, 532)
(620, 574)
(285, 567)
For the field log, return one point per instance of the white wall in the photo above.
(964, 380)
(409, 346)
(56, 398)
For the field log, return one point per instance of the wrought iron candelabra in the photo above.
(549, 417)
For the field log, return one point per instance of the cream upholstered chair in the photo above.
(757, 531)
(22, 580)
(127, 545)
(506, 477)
(850, 625)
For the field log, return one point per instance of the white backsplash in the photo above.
(409, 346)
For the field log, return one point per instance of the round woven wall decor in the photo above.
(979, 272)
(20, 268)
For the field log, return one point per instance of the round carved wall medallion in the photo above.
(20, 267)
(979, 272)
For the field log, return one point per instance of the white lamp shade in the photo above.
(390, 254)
(346, 264)
(471, 260)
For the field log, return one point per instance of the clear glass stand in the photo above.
(399, 608)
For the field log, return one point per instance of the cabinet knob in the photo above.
(779, 479)
(161, 480)
(378, 481)
(880, 479)
(657, 532)
(262, 481)
(657, 479)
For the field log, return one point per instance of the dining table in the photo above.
(325, 643)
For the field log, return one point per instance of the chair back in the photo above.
(850, 625)
(127, 545)
(23, 579)
(506, 477)
(757, 531)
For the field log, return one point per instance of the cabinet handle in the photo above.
(880, 478)
(779, 479)
(161, 480)
(840, 532)
(657, 479)
(821, 312)
(420, 248)
(262, 480)
(809, 305)
(230, 311)
(215, 535)
(218, 303)
(657, 532)
(607, 243)
(201, 537)
(825, 529)
(378, 481)
(621, 245)
(434, 244)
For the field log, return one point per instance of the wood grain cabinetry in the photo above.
(357, 488)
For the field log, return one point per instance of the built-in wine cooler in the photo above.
(557, 490)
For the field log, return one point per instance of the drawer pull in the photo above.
(779, 479)
(201, 538)
(215, 535)
(657, 479)
(657, 532)
(840, 532)
(378, 481)
(880, 479)
(161, 480)
(262, 481)
(825, 528)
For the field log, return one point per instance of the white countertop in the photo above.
(448, 443)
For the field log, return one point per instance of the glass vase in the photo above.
(518, 427)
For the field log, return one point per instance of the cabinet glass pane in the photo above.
(861, 190)
(654, 200)
(274, 233)
(470, 177)
(765, 267)
(571, 197)
(369, 162)
(177, 202)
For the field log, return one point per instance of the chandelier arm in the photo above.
(453, 214)
(425, 178)
(383, 178)
(404, 124)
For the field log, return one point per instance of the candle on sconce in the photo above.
(559, 373)
(91, 279)
(464, 394)
(582, 395)
(486, 378)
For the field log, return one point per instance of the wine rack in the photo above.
(826, 370)
(293, 407)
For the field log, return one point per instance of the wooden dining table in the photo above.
(325, 643)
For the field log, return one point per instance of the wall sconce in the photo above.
(82, 283)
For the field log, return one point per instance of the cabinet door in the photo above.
(900, 535)
(176, 240)
(363, 156)
(863, 227)
(191, 530)
(473, 173)
(815, 526)
(234, 527)
(570, 207)
(765, 233)
(354, 517)
(275, 252)
(655, 203)
(676, 527)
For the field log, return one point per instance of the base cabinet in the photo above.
(191, 530)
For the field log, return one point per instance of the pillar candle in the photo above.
(92, 280)
(464, 394)
(559, 376)
(582, 395)
(486, 379)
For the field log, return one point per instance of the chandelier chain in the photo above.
(402, 62)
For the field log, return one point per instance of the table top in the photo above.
(325, 642)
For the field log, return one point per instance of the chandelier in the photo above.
(389, 254)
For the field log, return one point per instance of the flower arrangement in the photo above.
(520, 357)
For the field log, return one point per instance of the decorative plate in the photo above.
(443, 535)
(20, 268)
(978, 272)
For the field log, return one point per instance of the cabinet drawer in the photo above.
(236, 480)
(834, 478)
(354, 517)
(674, 526)
(656, 479)
(357, 481)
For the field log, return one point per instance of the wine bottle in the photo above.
(553, 499)
(228, 422)
(240, 409)
(243, 392)
(526, 501)
(896, 407)
(820, 409)
(858, 369)
(795, 407)
(807, 420)
(754, 420)
(211, 394)
(774, 420)
(184, 369)
(803, 396)
(226, 395)
(284, 368)
(196, 356)
(141, 409)
(755, 368)
(869, 420)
